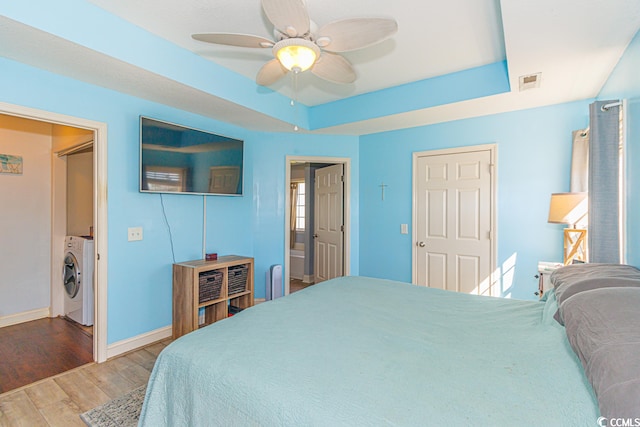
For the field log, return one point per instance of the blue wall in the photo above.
(139, 273)
(533, 161)
(624, 83)
(534, 150)
(446, 89)
(85, 24)
(269, 192)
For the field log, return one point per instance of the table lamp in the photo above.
(571, 209)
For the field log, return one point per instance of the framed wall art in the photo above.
(10, 164)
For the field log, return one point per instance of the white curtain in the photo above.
(604, 175)
(294, 216)
(580, 161)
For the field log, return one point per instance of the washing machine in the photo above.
(78, 279)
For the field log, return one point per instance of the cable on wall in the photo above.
(166, 221)
(204, 226)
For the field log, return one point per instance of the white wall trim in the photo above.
(100, 206)
(623, 182)
(100, 210)
(139, 341)
(493, 148)
(58, 231)
(347, 208)
(25, 316)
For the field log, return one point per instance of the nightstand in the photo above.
(545, 269)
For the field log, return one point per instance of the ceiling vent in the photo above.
(530, 81)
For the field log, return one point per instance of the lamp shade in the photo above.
(296, 54)
(567, 208)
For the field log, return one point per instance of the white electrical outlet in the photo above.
(134, 233)
(404, 228)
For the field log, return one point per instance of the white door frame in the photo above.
(347, 209)
(493, 148)
(99, 210)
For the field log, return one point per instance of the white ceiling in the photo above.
(575, 44)
(468, 34)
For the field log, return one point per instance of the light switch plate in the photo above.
(134, 234)
(404, 228)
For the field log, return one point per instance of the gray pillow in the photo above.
(568, 290)
(578, 272)
(569, 280)
(603, 327)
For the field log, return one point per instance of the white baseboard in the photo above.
(134, 343)
(308, 278)
(25, 316)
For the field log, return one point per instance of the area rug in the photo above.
(123, 411)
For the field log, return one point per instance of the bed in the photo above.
(363, 351)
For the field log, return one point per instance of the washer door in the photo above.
(71, 275)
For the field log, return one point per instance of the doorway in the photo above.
(58, 221)
(454, 219)
(303, 251)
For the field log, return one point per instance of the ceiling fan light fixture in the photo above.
(296, 53)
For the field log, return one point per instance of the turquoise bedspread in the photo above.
(357, 351)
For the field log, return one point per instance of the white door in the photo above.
(328, 222)
(453, 196)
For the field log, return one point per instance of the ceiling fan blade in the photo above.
(231, 39)
(351, 34)
(290, 17)
(334, 68)
(270, 73)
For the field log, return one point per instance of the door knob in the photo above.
(421, 244)
(315, 236)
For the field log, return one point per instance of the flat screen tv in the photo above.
(178, 159)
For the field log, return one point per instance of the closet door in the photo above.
(453, 221)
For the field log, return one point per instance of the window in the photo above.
(160, 178)
(300, 220)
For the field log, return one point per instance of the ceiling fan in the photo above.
(300, 46)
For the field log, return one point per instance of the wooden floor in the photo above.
(60, 398)
(59, 401)
(41, 348)
(296, 285)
